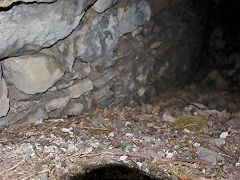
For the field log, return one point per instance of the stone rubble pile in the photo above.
(64, 57)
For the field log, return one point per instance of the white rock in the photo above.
(169, 155)
(67, 130)
(88, 150)
(139, 165)
(123, 158)
(129, 135)
(196, 144)
(111, 134)
(223, 135)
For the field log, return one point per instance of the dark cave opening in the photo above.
(219, 68)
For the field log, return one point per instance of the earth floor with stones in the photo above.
(180, 134)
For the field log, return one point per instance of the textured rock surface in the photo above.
(102, 5)
(6, 3)
(97, 37)
(28, 28)
(80, 88)
(4, 101)
(111, 57)
(32, 74)
(74, 109)
(133, 15)
(56, 101)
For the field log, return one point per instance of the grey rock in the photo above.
(4, 101)
(196, 172)
(219, 141)
(118, 123)
(44, 176)
(173, 177)
(61, 85)
(234, 123)
(80, 88)
(32, 74)
(101, 64)
(208, 155)
(74, 109)
(56, 101)
(27, 28)
(98, 94)
(139, 11)
(106, 100)
(186, 154)
(81, 69)
(103, 80)
(97, 37)
(102, 5)
(6, 3)
(168, 118)
(36, 116)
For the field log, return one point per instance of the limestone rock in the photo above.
(74, 109)
(29, 27)
(81, 69)
(133, 15)
(80, 88)
(57, 103)
(98, 36)
(32, 74)
(102, 5)
(98, 94)
(6, 3)
(36, 116)
(4, 101)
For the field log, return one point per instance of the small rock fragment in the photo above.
(208, 155)
(168, 118)
(66, 130)
(129, 135)
(223, 135)
(123, 158)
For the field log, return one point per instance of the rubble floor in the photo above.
(146, 136)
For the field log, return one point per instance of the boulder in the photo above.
(28, 27)
(32, 74)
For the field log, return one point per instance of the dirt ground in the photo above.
(180, 134)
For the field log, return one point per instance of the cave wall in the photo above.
(66, 57)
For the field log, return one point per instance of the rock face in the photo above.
(6, 3)
(80, 88)
(97, 38)
(4, 101)
(102, 5)
(133, 15)
(63, 57)
(27, 28)
(32, 74)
